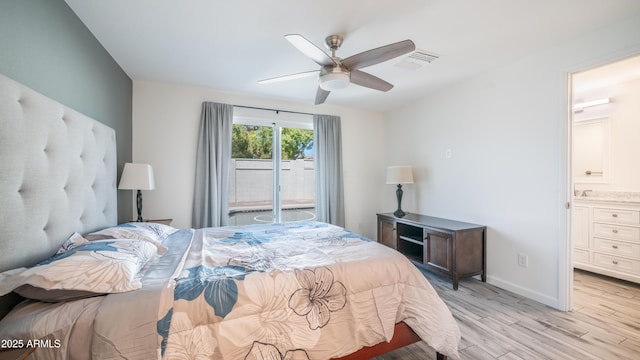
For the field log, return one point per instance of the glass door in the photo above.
(251, 175)
(297, 175)
(272, 178)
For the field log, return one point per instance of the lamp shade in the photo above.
(399, 175)
(137, 177)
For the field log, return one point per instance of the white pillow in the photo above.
(101, 267)
(151, 232)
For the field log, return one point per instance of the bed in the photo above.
(305, 290)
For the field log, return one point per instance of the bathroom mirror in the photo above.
(591, 143)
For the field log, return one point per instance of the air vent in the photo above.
(420, 55)
(417, 59)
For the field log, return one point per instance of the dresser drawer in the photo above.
(620, 216)
(618, 232)
(581, 256)
(616, 263)
(614, 247)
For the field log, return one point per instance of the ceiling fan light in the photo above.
(334, 81)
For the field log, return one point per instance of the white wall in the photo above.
(166, 119)
(507, 130)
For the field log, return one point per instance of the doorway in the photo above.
(604, 174)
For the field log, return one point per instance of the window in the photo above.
(272, 176)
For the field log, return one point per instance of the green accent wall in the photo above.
(44, 45)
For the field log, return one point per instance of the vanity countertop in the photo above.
(609, 196)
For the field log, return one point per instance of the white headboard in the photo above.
(57, 175)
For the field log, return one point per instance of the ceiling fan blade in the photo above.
(321, 95)
(310, 50)
(290, 77)
(367, 80)
(378, 55)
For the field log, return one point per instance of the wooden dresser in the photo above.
(453, 248)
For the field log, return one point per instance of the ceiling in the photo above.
(598, 81)
(230, 45)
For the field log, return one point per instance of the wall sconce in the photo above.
(399, 175)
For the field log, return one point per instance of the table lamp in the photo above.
(137, 177)
(399, 175)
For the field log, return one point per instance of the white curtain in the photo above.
(327, 143)
(211, 194)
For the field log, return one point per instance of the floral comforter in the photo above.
(294, 291)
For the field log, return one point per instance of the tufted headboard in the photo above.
(57, 175)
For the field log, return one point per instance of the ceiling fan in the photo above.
(336, 73)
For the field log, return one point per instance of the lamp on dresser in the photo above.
(399, 175)
(137, 177)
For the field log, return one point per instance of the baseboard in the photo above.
(528, 293)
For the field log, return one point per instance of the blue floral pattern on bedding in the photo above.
(279, 291)
(261, 248)
(218, 285)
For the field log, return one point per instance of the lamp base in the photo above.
(139, 205)
(399, 213)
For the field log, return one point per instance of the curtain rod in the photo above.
(276, 110)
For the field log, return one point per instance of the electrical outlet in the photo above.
(523, 260)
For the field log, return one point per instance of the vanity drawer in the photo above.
(581, 256)
(616, 263)
(618, 232)
(614, 247)
(621, 216)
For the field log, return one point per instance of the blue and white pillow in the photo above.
(151, 232)
(74, 240)
(96, 267)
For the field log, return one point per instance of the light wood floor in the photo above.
(496, 324)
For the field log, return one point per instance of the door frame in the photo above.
(565, 258)
(272, 121)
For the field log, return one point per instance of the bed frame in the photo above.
(402, 336)
(58, 176)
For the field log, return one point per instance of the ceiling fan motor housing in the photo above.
(333, 42)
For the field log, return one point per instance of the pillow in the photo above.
(97, 267)
(151, 232)
(161, 230)
(74, 240)
(36, 293)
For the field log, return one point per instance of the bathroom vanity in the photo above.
(606, 234)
